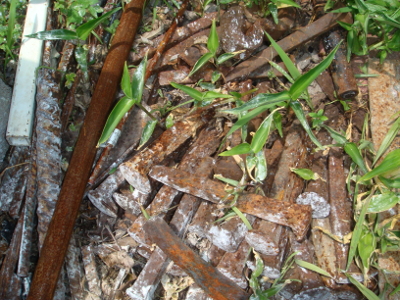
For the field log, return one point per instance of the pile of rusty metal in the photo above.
(157, 232)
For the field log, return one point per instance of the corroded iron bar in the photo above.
(341, 70)
(206, 276)
(60, 229)
(296, 216)
(288, 43)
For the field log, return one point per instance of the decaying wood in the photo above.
(296, 216)
(290, 42)
(341, 70)
(60, 229)
(206, 276)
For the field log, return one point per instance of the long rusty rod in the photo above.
(61, 226)
(149, 70)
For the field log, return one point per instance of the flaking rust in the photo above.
(136, 169)
(207, 277)
(297, 217)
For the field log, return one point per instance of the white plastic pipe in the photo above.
(20, 122)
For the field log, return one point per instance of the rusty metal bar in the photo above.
(152, 63)
(206, 276)
(61, 226)
(290, 42)
(296, 216)
(341, 70)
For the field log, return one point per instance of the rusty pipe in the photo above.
(61, 226)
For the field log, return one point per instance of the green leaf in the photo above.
(382, 202)
(138, 80)
(120, 109)
(273, 9)
(226, 56)
(278, 123)
(147, 132)
(12, 16)
(246, 118)
(262, 134)
(312, 267)
(243, 148)
(390, 183)
(81, 53)
(390, 163)
(340, 139)
(84, 30)
(126, 82)
(358, 229)
(342, 10)
(261, 167)
(215, 95)
(352, 150)
(389, 137)
(366, 247)
(261, 100)
(195, 94)
(285, 58)
(363, 289)
(305, 80)
(306, 174)
(215, 76)
(295, 105)
(226, 180)
(169, 121)
(56, 34)
(201, 62)
(242, 217)
(213, 42)
(289, 3)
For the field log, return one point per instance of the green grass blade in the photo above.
(390, 183)
(312, 267)
(147, 132)
(215, 95)
(243, 148)
(305, 80)
(290, 3)
(382, 202)
(282, 71)
(123, 106)
(195, 94)
(389, 137)
(390, 163)
(242, 217)
(363, 289)
(285, 58)
(335, 135)
(295, 105)
(226, 56)
(84, 30)
(357, 232)
(261, 100)
(229, 181)
(213, 41)
(126, 82)
(201, 62)
(262, 134)
(138, 80)
(56, 34)
(352, 150)
(261, 171)
(12, 15)
(246, 118)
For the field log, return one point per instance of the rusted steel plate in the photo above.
(341, 70)
(290, 42)
(296, 216)
(206, 276)
(136, 169)
(61, 227)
